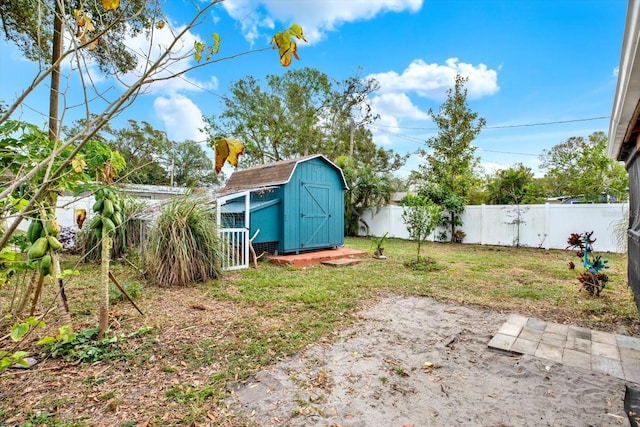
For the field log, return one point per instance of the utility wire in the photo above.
(503, 126)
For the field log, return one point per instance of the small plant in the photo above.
(423, 263)
(459, 236)
(421, 217)
(133, 289)
(593, 279)
(379, 241)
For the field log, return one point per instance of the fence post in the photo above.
(482, 227)
(547, 225)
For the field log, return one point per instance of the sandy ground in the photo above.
(419, 362)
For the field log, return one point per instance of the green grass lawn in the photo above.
(234, 327)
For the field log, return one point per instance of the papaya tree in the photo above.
(100, 31)
(24, 144)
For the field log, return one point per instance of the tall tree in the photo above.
(147, 150)
(581, 167)
(515, 185)
(302, 112)
(448, 173)
(192, 167)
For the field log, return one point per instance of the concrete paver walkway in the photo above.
(613, 354)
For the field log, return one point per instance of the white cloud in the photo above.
(181, 58)
(429, 81)
(316, 17)
(432, 80)
(398, 105)
(616, 70)
(181, 117)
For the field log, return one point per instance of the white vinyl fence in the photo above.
(542, 226)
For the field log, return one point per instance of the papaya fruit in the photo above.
(34, 230)
(96, 222)
(98, 232)
(107, 208)
(38, 248)
(108, 225)
(52, 227)
(46, 265)
(54, 243)
(117, 218)
(97, 206)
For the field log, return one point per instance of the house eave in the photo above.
(624, 115)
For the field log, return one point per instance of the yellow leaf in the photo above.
(285, 59)
(110, 4)
(236, 148)
(222, 152)
(277, 39)
(160, 25)
(296, 30)
(81, 216)
(199, 47)
(216, 42)
(78, 164)
(228, 149)
(93, 44)
(89, 25)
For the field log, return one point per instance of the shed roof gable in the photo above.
(270, 174)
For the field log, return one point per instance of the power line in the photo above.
(504, 126)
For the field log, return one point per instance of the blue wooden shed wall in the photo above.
(313, 207)
(297, 204)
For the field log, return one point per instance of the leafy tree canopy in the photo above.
(581, 167)
(449, 172)
(30, 25)
(515, 185)
(303, 112)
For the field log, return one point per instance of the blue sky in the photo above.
(528, 63)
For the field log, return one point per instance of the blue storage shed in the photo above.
(297, 204)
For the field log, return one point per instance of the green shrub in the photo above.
(183, 246)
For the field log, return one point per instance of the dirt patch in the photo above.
(416, 362)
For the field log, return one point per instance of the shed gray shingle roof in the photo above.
(276, 173)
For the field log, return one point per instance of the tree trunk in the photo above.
(453, 226)
(54, 92)
(61, 299)
(27, 294)
(36, 296)
(104, 282)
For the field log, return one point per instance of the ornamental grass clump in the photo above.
(183, 246)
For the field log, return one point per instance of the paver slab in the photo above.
(549, 351)
(537, 324)
(608, 366)
(531, 334)
(605, 350)
(510, 329)
(576, 358)
(631, 371)
(603, 337)
(502, 342)
(557, 328)
(628, 342)
(525, 346)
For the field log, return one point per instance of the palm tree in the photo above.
(367, 189)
